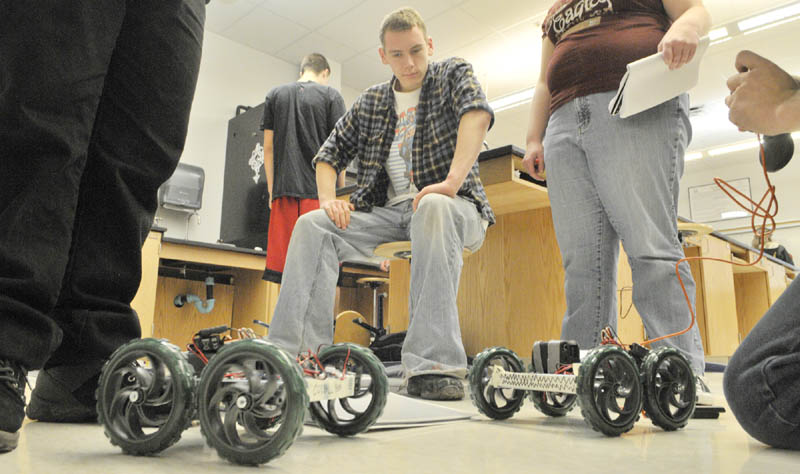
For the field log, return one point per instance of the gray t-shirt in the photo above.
(398, 164)
(301, 116)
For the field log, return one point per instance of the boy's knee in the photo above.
(310, 220)
(434, 205)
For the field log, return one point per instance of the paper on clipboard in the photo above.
(649, 82)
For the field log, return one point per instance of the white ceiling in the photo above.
(501, 38)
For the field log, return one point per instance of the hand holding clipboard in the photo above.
(649, 82)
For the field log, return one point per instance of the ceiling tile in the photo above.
(455, 28)
(503, 44)
(430, 10)
(724, 11)
(316, 43)
(506, 62)
(365, 70)
(358, 27)
(511, 13)
(311, 13)
(265, 31)
(221, 14)
(711, 127)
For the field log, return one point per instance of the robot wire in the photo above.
(755, 210)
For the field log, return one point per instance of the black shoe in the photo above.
(65, 394)
(12, 403)
(436, 387)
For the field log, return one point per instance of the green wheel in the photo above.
(355, 414)
(669, 388)
(496, 403)
(251, 401)
(552, 403)
(145, 396)
(609, 390)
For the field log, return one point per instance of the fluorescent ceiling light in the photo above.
(769, 17)
(511, 100)
(733, 214)
(733, 148)
(717, 33)
(772, 25)
(693, 156)
(796, 135)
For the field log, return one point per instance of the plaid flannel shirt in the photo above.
(367, 130)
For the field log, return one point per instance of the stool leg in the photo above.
(377, 310)
(375, 307)
(379, 321)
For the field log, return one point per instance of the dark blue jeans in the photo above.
(94, 107)
(762, 381)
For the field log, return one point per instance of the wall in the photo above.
(230, 74)
(349, 95)
(745, 164)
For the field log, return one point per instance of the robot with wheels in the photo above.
(612, 384)
(249, 395)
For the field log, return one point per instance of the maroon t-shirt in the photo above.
(592, 58)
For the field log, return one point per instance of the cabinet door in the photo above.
(716, 298)
(629, 323)
(145, 300)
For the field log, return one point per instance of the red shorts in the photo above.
(284, 214)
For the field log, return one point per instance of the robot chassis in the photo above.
(612, 384)
(249, 395)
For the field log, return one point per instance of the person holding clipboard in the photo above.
(613, 179)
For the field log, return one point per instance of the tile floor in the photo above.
(528, 442)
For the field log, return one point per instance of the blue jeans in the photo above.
(439, 231)
(612, 179)
(762, 380)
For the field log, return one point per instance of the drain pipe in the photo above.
(202, 306)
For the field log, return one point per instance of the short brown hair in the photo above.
(316, 62)
(402, 20)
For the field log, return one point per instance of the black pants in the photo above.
(762, 381)
(94, 106)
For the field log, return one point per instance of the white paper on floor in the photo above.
(402, 412)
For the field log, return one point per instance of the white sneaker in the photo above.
(704, 396)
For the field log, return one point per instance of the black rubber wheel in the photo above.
(609, 390)
(145, 396)
(552, 403)
(669, 388)
(496, 403)
(353, 415)
(251, 401)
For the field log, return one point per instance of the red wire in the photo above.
(309, 356)
(606, 337)
(312, 357)
(758, 211)
(344, 369)
(196, 351)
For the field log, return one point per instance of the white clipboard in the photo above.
(649, 82)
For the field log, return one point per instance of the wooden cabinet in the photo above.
(145, 300)
(240, 299)
(511, 291)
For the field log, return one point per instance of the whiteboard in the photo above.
(707, 203)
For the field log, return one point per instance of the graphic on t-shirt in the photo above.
(256, 161)
(404, 136)
(568, 13)
(399, 165)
